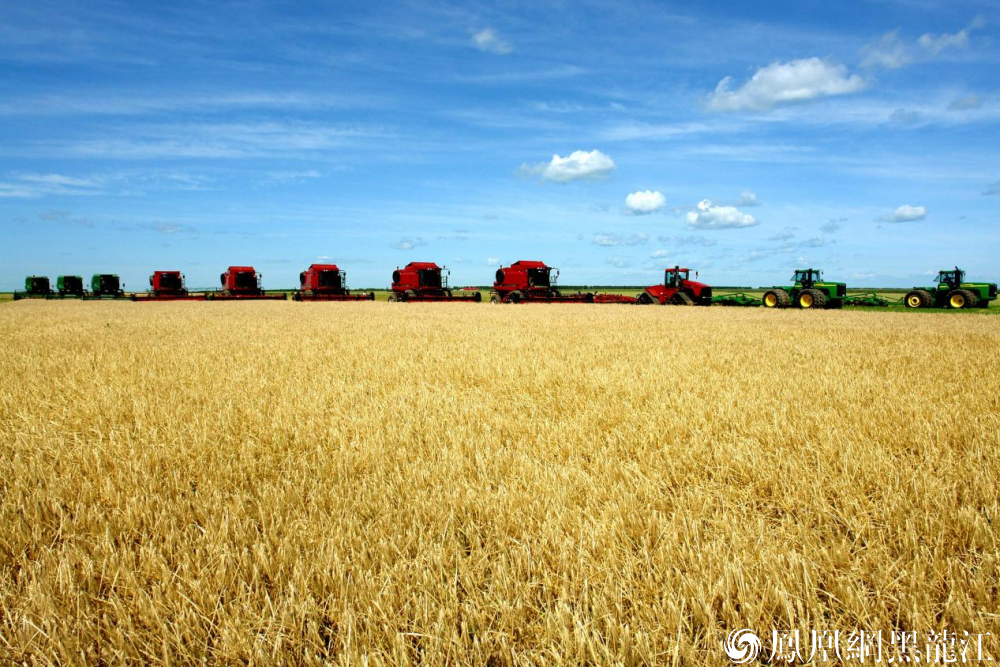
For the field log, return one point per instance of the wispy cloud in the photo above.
(612, 240)
(487, 41)
(891, 51)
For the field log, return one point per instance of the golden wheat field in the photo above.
(363, 483)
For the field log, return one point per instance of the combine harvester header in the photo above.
(530, 281)
(326, 282)
(425, 281)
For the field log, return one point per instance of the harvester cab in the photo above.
(243, 282)
(69, 286)
(952, 291)
(106, 286)
(425, 281)
(808, 291)
(35, 287)
(677, 289)
(326, 282)
(533, 281)
(167, 283)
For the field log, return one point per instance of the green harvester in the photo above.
(952, 291)
(69, 287)
(809, 291)
(35, 287)
(105, 286)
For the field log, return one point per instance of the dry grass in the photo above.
(275, 482)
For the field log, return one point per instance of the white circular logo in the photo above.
(742, 646)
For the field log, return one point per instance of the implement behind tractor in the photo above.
(425, 281)
(677, 290)
(326, 282)
(168, 286)
(105, 286)
(35, 287)
(242, 282)
(952, 291)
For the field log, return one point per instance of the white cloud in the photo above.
(658, 254)
(610, 240)
(710, 216)
(783, 83)
(905, 213)
(748, 198)
(493, 261)
(408, 244)
(292, 176)
(487, 41)
(935, 44)
(577, 166)
(643, 202)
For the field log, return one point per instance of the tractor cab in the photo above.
(951, 278)
(806, 278)
(675, 277)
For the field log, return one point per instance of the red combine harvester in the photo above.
(677, 290)
(242, 282)
(527, 281)
(168, 286)
(326, 282)
(426, 281)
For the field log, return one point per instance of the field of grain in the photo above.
(454, 484)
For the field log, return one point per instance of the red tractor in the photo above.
(528, 280)
(326, 282)
(242, 282)
(425, 281)
(168, 286)
(677, 290)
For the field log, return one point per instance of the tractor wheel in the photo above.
(914, 300)
(811, 298)
(515, 297)
(644, 299)
(393, 298)
(495, 300)
(961, 298)
(777, 298)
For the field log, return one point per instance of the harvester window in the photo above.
(329, 279)
(170, 281)
(539, 277)
(430, 278)
(245, 280)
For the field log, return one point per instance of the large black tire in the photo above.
(393, 298)
(917, 298)
(810, 298)
(960, 298)
(645, 300)
(775, 298)
(514, 297)
(477, 297)
(408, 294)
(495, 299)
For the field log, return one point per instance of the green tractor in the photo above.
(35, 287)
(952, 291)
(809, 291)
(105, 286)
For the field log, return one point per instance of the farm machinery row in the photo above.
(524, 281)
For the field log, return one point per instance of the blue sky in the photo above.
(609, 139)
